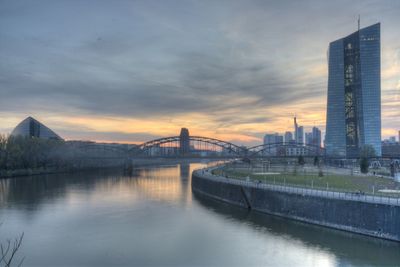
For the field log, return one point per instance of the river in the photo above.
(151, 218)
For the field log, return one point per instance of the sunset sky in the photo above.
(131, 71)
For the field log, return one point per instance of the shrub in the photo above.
(301, 160)
(364, 165)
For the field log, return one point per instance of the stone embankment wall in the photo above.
(368, 215)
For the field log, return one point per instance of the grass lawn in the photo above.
(335, 182)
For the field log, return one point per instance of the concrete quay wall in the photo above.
(375, 217)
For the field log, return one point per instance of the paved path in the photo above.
(351, 196)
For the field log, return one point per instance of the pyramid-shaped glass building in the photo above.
(33, 128)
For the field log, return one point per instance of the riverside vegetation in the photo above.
(21, 155)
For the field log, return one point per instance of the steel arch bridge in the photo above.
(285, 150)
(198, 146)
(173, 146)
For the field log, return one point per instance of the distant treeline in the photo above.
(19, 152)
(21, 155)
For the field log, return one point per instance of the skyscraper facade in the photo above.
(288, 137)
(274, 138)
(300, 135)
(316, 135)
(269, 139)
(309, 138)
(354, 93)
(298, 132)
(279, 139)
(296, 126)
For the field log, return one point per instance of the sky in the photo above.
(131, 71)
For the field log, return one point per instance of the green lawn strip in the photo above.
(346, 183)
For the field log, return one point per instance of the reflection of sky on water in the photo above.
(151, 218)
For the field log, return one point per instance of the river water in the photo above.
(151, 218)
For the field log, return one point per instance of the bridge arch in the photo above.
(172, 145)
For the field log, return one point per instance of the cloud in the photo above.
(239, 68)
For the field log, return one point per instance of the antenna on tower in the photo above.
(358, 22)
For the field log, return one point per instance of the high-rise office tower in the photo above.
(295, 129)
(298, 132)
(316, 133)
(288, 137)
(300, 135)
(279, 139)
(271, 139)
(354, 93)
(308, 138)
(274, 138)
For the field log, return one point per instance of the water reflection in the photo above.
(164, 183)
(347, 248)
(112, 218)
(31, 192)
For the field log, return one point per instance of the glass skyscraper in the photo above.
(354, 93)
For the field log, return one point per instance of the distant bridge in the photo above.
(183, 146)
(186, 145)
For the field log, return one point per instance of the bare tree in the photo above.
(8, 250)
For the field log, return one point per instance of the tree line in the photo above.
(20, 152)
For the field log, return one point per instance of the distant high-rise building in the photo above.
(270, 138)
(288, 137)
(300, 135)
(309, 138)
(295, 129)
(392, 139)
(274, 140)
(184, 142)
(390, 149)
(298, 132)
(316, 133)
(354, 93)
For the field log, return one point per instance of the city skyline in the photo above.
(199, 133)
(235, 75)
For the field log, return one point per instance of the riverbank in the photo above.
(100, 164)
(362, 214)
(311, 176)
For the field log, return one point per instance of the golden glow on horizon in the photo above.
(281, 120)
(248, 129)
(157, 127)
(205, 125)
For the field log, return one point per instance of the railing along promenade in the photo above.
(293, 189)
